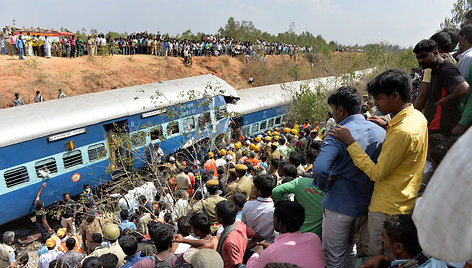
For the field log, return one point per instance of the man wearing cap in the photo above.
(208, 204)
(244, 185)
(52, 254)
(7, 253)
(62, 235)
(90, 226)
(203, 258)
(238, 152)
(210, 165)
(221, 162)
(266, 147)
(171, 167)
(111, 232)
(182, 183)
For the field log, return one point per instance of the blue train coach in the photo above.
(67, 142)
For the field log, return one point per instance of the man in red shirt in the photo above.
(233, 241)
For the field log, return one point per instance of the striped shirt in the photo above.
(258, 215)
(465, 60)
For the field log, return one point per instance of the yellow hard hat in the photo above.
(275, 133)
(258, 139)
(286, 130)
(211, 154)
(256, 149)
(294, 131)
(269, 132)
(251, 146)
(237, 145)
(61, 232)
(268, 138)
(276, 138)
(223, 151)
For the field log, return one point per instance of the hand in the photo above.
(58, 216)
(332, 180)
(379, 121)
(178, 238)
(43, 185)
(258, 249)
(50, 230)
(458, 130)
(264, 244)
(342, 134)
(442, 101)
(376, 261)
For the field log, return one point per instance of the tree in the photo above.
(458, 11)
(307, 103)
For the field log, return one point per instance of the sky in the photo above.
(397, 22)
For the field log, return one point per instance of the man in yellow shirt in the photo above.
(399, 168)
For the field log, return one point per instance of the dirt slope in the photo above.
(91, 74)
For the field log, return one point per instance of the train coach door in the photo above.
(117, 135)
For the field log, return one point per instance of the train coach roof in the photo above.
(36, 120)
(265, 97)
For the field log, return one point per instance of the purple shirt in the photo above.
(302, 249)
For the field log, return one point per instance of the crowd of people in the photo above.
(141, 43)
(335, 194)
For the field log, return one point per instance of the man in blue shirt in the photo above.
(348, 189)
(125, 223)
(20, 46)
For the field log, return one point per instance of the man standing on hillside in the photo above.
(20, 46)
(47, 47)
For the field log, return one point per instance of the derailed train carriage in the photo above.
(69, 142)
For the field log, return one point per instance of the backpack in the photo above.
(157, 262)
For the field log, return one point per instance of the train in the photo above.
(70, 142)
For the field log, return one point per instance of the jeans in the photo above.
(20, 53)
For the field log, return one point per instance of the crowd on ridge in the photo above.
(142, 43)
(335, 194)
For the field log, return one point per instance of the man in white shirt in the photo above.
(258, 214)
(52, 254)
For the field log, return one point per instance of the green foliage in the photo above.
(308, 104)
(458, 11)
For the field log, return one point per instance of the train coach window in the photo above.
(246, 131)
(173, 128)
(263, 125)
(204, 120)
(221, 113)
(71, 159)
(278, 120)
(271, 123)
(96, 152)
(16, 176)
(156, 133)
(189, 123)
(45, 168)
(254, 128)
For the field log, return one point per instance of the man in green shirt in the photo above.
(310, 197)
